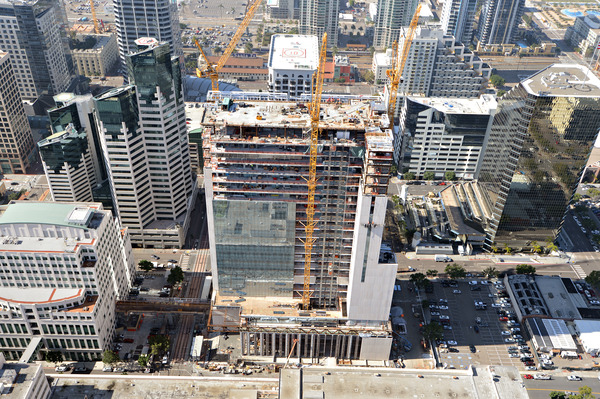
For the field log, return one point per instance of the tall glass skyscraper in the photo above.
(541, 138)
(499, 21)
(144, 137)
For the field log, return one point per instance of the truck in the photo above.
(443, 258)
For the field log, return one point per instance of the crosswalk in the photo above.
(184, 263)
(579, 271)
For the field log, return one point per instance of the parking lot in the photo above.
(465, 319)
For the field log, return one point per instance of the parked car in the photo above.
(456, 292)
(107, 368)
(528, 377)
(472, 348)
(574, 378)
(62, 368)
(452, 343)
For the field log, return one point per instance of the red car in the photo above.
(503, 319)
(528, 377)
(128, 340)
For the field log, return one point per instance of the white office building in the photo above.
(144, 139)
(146, 18)
(442, 135)
(439, 66)
(458, 18)
(292, 61)
(23, 381)
(381, 63)
(62, 268)
(31, 35)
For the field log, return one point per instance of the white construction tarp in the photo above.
(589, 334)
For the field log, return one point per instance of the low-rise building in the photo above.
(23, 381)
(242, 68)
(62, 268)
(94, 54)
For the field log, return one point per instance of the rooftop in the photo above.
(72, 215)
(357, 115)
(563, 80)
(32, 296)
(476, 106)
(299, 52)
(556, 297)
(17, 379)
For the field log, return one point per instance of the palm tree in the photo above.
(536, 247)
(221, 6)
(507, 249)
(490, 272)
(431, 273)
(494, 249)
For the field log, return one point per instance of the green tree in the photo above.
(335, 50)
(537, 248)
(159, 344)
(507, 249)
(409, 176)
(525, 269)
(394, 170)
(372, 51)
(495, 249)
(593, 278)
(429, 175)
(110, 357)
(497, 81)
(433, 331)
(557, 395)
(248, 47)
(431, 273)
(217, 50)
(143, 361)
(418, 279)
(183, 26)
(552, 247)
(145, 265)
(500, 93)
(490, 272)
(368, 76)
(592, 192)
(455, 271)
(450, 175)
(176, 276)
(585, 392)
(53, 356)
(577, 197)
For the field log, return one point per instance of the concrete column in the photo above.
(312, 347)
(243, 342)
(298, 353)
(287, 345)
(273, 345)
(338, 339)
(356, 348)
(262, 344)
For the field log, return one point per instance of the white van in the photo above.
(442, 258)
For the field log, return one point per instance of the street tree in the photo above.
(585, 392)
(593, 278)
(507, 249)
(176, 276)
(429, 175)
(418, 279)
(159, 344)
(537, 248)
(53, 357)
(455, 271)
(110, 357)
(431, 273)
(557, 395)
(490, 272)
(525, 269)
(143, 361)
(409, 176)
(497, 81)
(145, 265)
(450, 175)
(433, 331)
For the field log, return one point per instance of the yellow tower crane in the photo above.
(93, 9)
(315, 110)
(212, 70)
(395, 74)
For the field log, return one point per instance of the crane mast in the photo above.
(395, 74)
(315, 111)
(211, 71)
(93, 9)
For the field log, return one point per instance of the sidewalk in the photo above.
(516, 259)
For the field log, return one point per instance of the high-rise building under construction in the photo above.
(256, 165)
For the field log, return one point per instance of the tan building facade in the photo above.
(99, 58)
